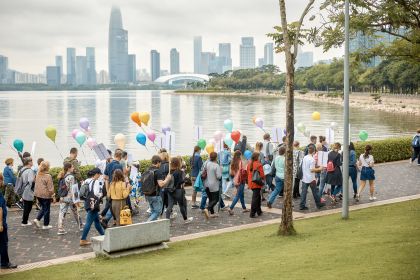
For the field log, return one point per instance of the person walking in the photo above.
(28, 181)
(238, 173)
(4, 239)
(367, 173)
(297, 161)
(255, 183)
(72, 158)
(163, 172)
(44, 191)
(334, 174)
(353, 168)
(211, 184)
(415, 144)
(225, 158)
(119, 190)
(9, 180)
(196, 163)
(313, 139)
(92, 204)
(278, 165)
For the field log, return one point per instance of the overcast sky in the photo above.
(32, 32)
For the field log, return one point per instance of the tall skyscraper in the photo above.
(132, 75)
(154, 64)
(225, 54)
(261, 62)
(71, 66)
(81, 70)
(4, 66)
(197, 54)
(174, 58)
(268, 54)
(53, 76)
(117, 49)
(207, 62)
(59, 63)
(247, 53)
(90, 66)
(304, 59)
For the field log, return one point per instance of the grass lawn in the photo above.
(376, 243)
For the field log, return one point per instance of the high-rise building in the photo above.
(225, 55)
(103, 77)
(143, 76)
(268, 54)
(197, 54)
(117, 49)
(4, 67)
(71, 66)
(90, 66)
(261, 62)
(247, 53)
(132, 75)
(174, 58)
(155, 64)
(304, 59)
(53, 76)
(207, 62)
(59, 63)
(81, 70)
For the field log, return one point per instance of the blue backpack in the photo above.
(416, 142)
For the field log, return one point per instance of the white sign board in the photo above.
(277, 136)
(329, 135)
(101, 151)
(170, 141)
(219, 146)
(198, 132)
(33, 150)
(160, 141)
(133, 173)
(322, 159)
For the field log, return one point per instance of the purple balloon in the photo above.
(165, 129)
(84, 123)
(259, 122)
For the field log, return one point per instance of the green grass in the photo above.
(376, 243)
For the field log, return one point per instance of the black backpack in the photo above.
(171, 185)
(62, 190)
(92, 200)
(148, 182)
(416, 142)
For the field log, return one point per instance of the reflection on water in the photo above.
(25, 115)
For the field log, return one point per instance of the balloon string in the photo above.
(58, 151)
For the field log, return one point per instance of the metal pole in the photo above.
(345, 210)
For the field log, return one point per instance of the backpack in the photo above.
(91, 198)
(267, 152)
(84, 190)
(171, 185)
(19, 186)
(416, 142)
(330, 166)
(148, 182)
(63, 190)
(204, 172)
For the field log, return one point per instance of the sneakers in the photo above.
(81, 226)
(226, 196)
(19, 205)
(303, 208)
(357, 197)
(372, 198)
(226, 208)
(84, 243)
(47, 227)
(195, 206)
(246, 210)
(149, 211)
(189, 220)
(9, 266)
(27, 224)
(206, 213)
(173, 215)
(231, 212)
(322, 200)
(269, 205)
(61, 232)
(321, 205)
(37, 223)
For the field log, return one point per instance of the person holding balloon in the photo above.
(225, 158)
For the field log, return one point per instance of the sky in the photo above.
(32, 32)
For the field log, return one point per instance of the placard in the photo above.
(198, 132)
(329, 136)
(101, 151)
(33, 150)
(160, 141)
(219, 146)
(322, 159)
(170, 141)
(277, 136)
(130, 159)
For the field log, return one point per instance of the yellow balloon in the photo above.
(210, 148)
(51, 132)
(119, 140)
(144, 117)
(316, 116)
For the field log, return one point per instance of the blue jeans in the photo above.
(353, 176)
(322, 179)
(204, 200)
(226, 185)
(314, 190)
(336, 189)
(92, 216)
(45, 210)
(239, 197)
(155, 204)
(277, 190)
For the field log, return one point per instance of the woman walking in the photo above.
(255, 183)
(366, 162)
(211, 184)
(44, 191)
(238, 173)
(28, 183)
(225, 158)
(119, 190)
(353, 168)
(279, 167)
(297, 160)
(334, 174)
(196, 163)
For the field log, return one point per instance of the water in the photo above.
(25, 115)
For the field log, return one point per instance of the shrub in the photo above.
(392, 149)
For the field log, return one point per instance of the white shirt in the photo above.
(308, 163)
(365, 162)
(270, 149)
(97, 187)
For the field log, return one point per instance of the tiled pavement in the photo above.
(28, 245)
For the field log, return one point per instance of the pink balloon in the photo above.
(259, 122)
(218, 135)
(151, 135)
(84, 123)
(74, 133)
(91, 142)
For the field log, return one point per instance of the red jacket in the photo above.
(256, 165)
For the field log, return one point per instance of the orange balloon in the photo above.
(253, 119)
(136, 118)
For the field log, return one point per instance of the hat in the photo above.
(95, 171)
(8, 161)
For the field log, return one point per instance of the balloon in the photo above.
(363, 135)
(333, 125)
(259, 122)
(307, 133)
(316, 116)
(141, 138)
(235, 135)
(80, 138)
(136, 118)
(165, 129)
(210, 148)
(144, 117)
(254, 118)
(119, 140)
(301, 127)
(248, 154)
(201, 143)
(84, 123)
(228, 140)
(51, 132)
(228, 124)
(218, 135)
(91, 142)
(74, 133)
(151, 135)
(18, 144)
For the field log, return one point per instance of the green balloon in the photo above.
(201, 143)
(363, 135)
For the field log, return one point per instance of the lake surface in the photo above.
(25, 115)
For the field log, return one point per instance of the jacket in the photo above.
(256, 165)
(214, 174)
(118, 191)
(335, 178)
(76, 166)
(44, 187)
(9, 176)
(196, 164)
(28, 179)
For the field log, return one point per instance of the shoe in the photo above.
(260, 214)
(304, 208)
(246, 210)
(27, 224)
(321, 205)
(226, 196)
(47, 227)
(173, 216)
(61, 232)
(269, 205)
(322, 200)
(149, 211)
(354, 196)
(84, 243)
(231, 212)
(263, 199)
(370, 198)
(19, 205)
(81, 227)
(373, 197)
(195, 206)
(226, 208)
(189, 220)
(206, 213)
(9, 266)
(252, 216)
(357, 197)
(37, 223)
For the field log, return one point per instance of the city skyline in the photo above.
(77, 27)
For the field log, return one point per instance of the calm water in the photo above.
(25, 115)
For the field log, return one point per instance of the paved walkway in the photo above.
(29, 245)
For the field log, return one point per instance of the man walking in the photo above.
(308, 179)
(4, 256)
(72, 158)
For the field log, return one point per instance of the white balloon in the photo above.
(333, 125)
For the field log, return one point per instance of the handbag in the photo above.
(125, 216)
(256, 177)
(204, 173)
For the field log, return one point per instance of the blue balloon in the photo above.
(18, 144)
(248, 154)
(141, 138)
(228, 141)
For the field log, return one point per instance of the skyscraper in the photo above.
(117, 49)
(207, 62)
(261, 62)
(132, 77)
(71, 66)
(4, 66)
(90, 66)
(197, 54)
(154, 64)
(247, 53)
(53, 76)
(59, 63)
(81, 70)
(174, 58)
(268, 54)
(225, 54)
(304, 59)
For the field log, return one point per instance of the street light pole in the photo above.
(345, 210)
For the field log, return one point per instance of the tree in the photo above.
(288, 36)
